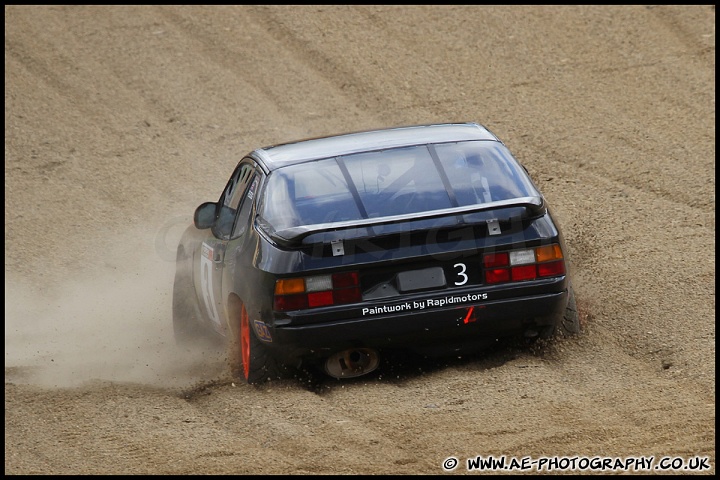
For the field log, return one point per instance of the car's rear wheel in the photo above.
(570, 321)
(248, 357)
(567, 325)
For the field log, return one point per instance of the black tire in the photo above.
(565, 326)
(569, 324)
(185, 310)
(248, 357)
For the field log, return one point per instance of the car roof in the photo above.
(277, 156)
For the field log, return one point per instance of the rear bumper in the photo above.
(433, 325)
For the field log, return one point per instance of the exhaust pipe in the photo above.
(531, 333)
(352, 363)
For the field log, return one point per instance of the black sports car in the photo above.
(329, 251)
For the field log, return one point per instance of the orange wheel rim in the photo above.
(245, 342)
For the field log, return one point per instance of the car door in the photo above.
(211, 262)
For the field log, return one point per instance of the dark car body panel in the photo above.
(418, 330)
(507, 309)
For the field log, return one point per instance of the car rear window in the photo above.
(392, 182)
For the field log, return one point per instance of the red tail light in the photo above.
(317, 291)
(497, 275)
(291, 302)
(527, 272)
(320, 299)
(524, 264)
(496, 260)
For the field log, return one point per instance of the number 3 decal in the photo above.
(463, 278)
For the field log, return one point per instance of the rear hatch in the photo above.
(430, 266)
(406, 222)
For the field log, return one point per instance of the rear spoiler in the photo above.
(295, 235)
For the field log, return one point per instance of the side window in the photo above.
(230, 188)
(246, 206)
(230, 200)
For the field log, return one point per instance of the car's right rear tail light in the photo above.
(524, 264)
(316, 291)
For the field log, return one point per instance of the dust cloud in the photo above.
(111, 322)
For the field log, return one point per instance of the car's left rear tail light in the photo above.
(525, 264)
(316, 291)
